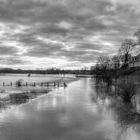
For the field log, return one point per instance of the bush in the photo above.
(127, 90)
(19, 83)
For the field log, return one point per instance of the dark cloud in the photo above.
(43, 50)
(4, 50)
(77, 30)
(12, 60)
(87, 46)
(52, 29)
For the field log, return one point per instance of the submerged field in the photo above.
(80, 111)
(11, 94)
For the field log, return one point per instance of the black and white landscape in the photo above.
(69, 69)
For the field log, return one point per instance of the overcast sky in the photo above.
(63, 33)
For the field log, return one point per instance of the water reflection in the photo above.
(125, 114)
(78, 112)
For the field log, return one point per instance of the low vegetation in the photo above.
(127, 90)
(20, 98)
(115, 70)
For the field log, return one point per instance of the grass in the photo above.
(18, 98)
(23, 97)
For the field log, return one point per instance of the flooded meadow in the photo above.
(80, 111)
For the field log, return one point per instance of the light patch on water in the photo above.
(67, 114)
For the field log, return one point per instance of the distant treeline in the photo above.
(48, 71)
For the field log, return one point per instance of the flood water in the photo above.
(37, 78)
(71, 113)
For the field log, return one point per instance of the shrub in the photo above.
(127, 90)
(19, 83)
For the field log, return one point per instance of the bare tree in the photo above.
(103, 62)
(137, 35)
(115, 62)
(137, 41)
(125, 51)
(103, 69)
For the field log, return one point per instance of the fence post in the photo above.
(47, 84)
(54, 84)
(42, 84)
(65, 84)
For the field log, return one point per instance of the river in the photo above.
(71, 113)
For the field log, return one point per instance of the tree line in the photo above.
(47, 71)
(108, 67)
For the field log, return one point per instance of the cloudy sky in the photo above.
(63, 33)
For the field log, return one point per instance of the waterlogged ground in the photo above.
(76, 112)
(8, 78)
(11, 94)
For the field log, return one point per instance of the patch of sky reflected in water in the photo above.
(72, 113)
